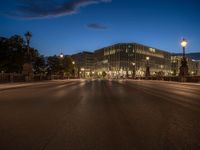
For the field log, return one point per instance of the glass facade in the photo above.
(128, 59)
(131, 60)
(84, 63)
(193, 65)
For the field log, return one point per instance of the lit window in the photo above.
(152, 50)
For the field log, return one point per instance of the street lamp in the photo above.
(28, 36)
(61, 55)
(184, 44)
(147, 67)
(134, 69)
(27, 67)
(74, 69)
(184, 67)
(83, 70)
(62, 72)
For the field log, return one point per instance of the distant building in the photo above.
(84, 62)
(128, 59)
(193, 65)
(198, 67)
(131, 60)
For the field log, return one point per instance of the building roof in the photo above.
(134, 43)
(194, 56)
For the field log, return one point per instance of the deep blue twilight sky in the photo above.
(71, 26)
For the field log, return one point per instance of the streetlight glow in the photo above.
(73, 62)
(61, 55)
(147, 58)
(184, 42)
(184, 67)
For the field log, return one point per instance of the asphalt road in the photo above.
(100, 115)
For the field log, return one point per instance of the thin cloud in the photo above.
(97, 26)
(30, 9)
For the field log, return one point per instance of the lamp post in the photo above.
(184, 67)
(74, 70)
(147, 67)
(184, 44)
(61, 55)
(27, 67)
(134, 70)
(83, 70)
(62, 65)
(28, 36)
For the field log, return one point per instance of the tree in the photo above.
(54, 64)
(3, 53)
(68, 66)
(39, 64)
(13, 54)
(59, 65)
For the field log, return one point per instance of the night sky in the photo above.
(70, 26)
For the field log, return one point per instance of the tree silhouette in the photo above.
(13, 54)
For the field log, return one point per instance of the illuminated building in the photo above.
(130, 59)
(193, 65)
(84, 62)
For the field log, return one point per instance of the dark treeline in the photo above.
(13, 54)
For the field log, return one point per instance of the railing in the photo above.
(14, 77)
(11, 77)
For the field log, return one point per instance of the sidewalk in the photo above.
(162, 81)
(6, 86)
(13, 85)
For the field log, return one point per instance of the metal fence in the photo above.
(11, 77)
(14, 77)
